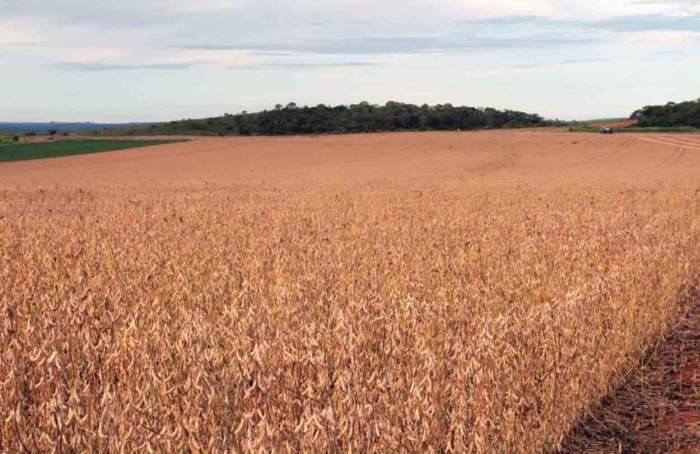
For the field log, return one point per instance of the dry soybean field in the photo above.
(418, 292)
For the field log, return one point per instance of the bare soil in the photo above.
(615, 124)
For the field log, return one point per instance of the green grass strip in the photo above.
(24, 152)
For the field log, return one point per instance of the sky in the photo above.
(160, 60)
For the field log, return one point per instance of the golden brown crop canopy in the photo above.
(470, 292)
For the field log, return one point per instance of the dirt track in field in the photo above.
(614, 124)
(519, 157)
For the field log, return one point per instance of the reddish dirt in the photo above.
(689, 450)
(689, 373)
(680, 419)
(44, 139)
(503, 157)
(615, 124)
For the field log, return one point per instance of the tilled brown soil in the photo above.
(658, 409)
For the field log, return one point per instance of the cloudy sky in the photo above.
(150, 60)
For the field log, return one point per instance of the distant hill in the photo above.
(20, 127)
(356, 118)
(684, 114)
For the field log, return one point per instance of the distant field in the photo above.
(605, 120)
(668, 129)
(22, 127)
(627, 125)
(24, 152)
(7, 138)
(637, 129)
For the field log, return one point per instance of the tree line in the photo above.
(670, 115)
(357, 118)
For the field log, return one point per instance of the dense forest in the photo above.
(363, 117)
(670, 115)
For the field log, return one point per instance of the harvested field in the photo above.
(430, 292)
(432, 159)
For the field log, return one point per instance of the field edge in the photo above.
(657, 406)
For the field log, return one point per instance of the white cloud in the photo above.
(19, 31)
(159, 53)
(657, 40)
